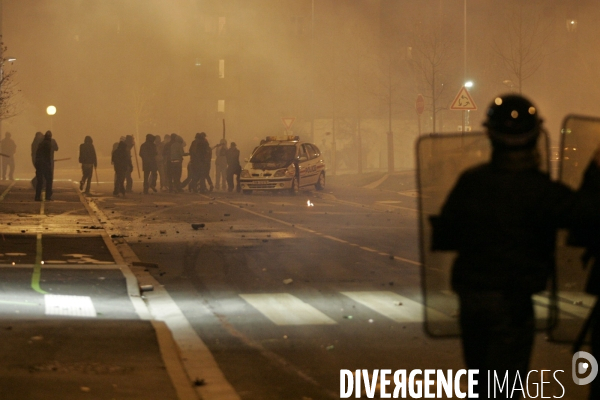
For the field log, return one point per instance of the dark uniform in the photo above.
(234, 169)
(44, 166)
(502, 218)
(193, 167)
(87, 158)
(149, 165)
(130, 142)
(221, 165)
(39, 136)
(176, 154)
(121, 159)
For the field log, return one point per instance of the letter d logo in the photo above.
(579, 367)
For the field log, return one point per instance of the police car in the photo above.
(283, 163)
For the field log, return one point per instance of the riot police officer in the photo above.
(502, 218)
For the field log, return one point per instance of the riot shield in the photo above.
(580, 137)
(441, 158)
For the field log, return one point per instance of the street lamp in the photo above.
(50, 110)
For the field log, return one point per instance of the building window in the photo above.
(221, 69)
(222, 25)
(221, 106)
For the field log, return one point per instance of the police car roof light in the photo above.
(286, 138)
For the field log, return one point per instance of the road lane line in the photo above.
(565, 308)
(3, 195)
(395, 307)
(37, 267)
(285, 309)
(70, 306)
(191, 351)
(299, 227)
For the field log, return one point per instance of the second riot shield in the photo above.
(580, 136)
(441, 159)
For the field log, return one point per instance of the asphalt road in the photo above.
(287, 290)
(282, 291)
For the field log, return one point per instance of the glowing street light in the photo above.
(50, 110)
(469, 84)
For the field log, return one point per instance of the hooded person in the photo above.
(234, 168)
(160, 163)
(176, 153)
(130, 142)
(37, 139)
(221, 165)
(87, 158)
(121, 160)
(44, 166)
(167, 159)
(148, 155)
(502, 218)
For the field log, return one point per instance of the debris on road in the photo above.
(198, 226)
(199, 382)
(347, 316)
(146, 288)
(144, 264)
(288, 281)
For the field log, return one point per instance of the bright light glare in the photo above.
(309, 204)
(51, 110)
(469, 84)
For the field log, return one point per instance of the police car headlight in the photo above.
(279, 173)
(245, 174)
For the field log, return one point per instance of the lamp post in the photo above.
(50, 110)
(468, 85)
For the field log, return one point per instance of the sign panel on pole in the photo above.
(463, 101)
(288, 122)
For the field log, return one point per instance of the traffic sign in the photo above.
(288, 122)
(420, 104)
(463, 101)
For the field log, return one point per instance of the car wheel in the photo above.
(320, 185)
(245, 191)
(295, 187)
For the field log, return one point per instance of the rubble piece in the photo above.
(199, 382)
(288, 281)
(146, 288)
(198, 226)
(144, 264)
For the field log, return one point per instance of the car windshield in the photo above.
(274, 154)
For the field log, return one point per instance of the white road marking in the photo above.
(72, 306)
(285, 309)
(395, 307)
(572, 308)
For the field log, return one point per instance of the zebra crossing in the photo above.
(285, 309)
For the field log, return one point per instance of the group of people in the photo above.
(162, 163)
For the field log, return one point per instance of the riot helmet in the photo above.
(513, 121)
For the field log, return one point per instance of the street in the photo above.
(268, 298)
